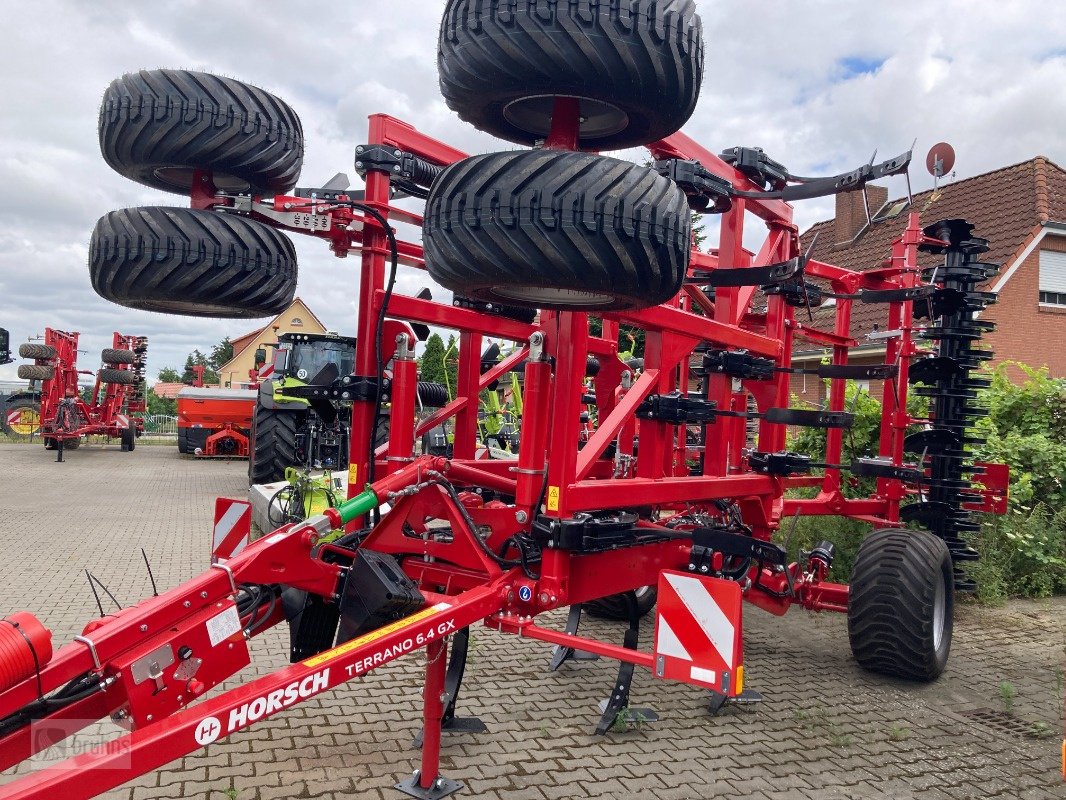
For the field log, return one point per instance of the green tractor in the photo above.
(301, 419)
(291, 428)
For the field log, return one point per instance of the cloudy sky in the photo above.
(818, 85)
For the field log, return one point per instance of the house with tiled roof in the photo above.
(1020, 209)
(296, 318)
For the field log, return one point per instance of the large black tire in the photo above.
(187, 261)
(552, 229)
(901, 604)
(614, 606)
(28, 423)
(273, 444)
(72, 444)
(39, 351)
(157, 126)
(120, 376)
(36, 372)
(110, 355)
(637, 67)
(128, 439)
(183, 441)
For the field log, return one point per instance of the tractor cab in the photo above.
(314, 358)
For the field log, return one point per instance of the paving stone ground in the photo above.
(825, 730)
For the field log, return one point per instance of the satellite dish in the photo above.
(940, 160)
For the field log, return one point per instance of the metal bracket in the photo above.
(706, 192)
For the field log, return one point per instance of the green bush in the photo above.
(1022, 553)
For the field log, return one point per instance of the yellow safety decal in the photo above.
(366, 638)
(553, 498)
(353, 474)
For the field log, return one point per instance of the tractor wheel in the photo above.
(183, 441)
(901, 604)
(39, 351)
(36, 372)
(553, 229)
(72, 444)
(194, 262)
(273, 445)
(128, 438)
(110, 355)
(120, 376)
(50, 443)
(20, 419)
(157, 126)
(614, 606)
(636, 67)
(432, 395)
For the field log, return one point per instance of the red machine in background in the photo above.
(116, 396)
(214, 422)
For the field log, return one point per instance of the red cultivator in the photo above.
(117, 394)
(626, 481)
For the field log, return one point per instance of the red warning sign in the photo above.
(233, 528)
(698, 637)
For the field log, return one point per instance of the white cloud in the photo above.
(819, 85)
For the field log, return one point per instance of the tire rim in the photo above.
(24, 421)
(534, 115)
(642, 592)
(562, 298)
(939, 612)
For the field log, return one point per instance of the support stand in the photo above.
(452, 681)
(59, 450)
(613, 707)
(562, 654)
(426, 783)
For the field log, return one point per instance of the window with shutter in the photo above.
(1052, 278)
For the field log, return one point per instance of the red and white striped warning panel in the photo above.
(233, 528)
(698, 635)
(122, 421)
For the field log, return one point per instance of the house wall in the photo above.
(1025, 330)
(235, 373)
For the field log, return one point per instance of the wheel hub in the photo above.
(534, 114)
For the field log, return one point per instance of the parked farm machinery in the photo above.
(659, 490)
(116, 395)
(214, 422)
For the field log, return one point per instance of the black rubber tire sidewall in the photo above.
(650, 65)
(36, 351)
(122, 377)
(891, 604)
(192, 262)
(110, 355)
(36, 372)
(273, 444)
(614, 606)
(511, 226)
(128, 439)
(156, 126)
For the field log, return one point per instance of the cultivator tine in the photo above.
(453, 680)
(561, 653)
(616, 707)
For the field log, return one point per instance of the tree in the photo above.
(431, 362)
(169, 375)
(220, 354)
(161, 405)
(198, 359)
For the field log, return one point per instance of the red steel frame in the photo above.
(460, 582)
(108, 413)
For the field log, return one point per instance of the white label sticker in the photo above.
(222, 626)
